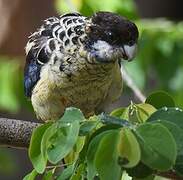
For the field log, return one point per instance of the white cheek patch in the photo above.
(102, 48)
(130, 51)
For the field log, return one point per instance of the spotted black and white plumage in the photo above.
(72, 60)
(55, 37)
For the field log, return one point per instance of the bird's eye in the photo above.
(110, 33)
(131, 42)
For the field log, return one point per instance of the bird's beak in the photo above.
(129, 52)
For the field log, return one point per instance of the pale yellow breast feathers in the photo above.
(89, 90)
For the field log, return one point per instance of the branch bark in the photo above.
(16, 133)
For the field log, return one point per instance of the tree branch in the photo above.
(16, 133)
(131, 84)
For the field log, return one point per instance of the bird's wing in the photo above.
(38, 51)
(55, 35)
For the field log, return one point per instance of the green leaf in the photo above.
(176, 132)
(87, 127)
(60, 138)
(158, 146)
(37, 158)
(143, 111)
(178, 136)
(73, 155)
(128, 148)
(48, 175)
(79, 172)
(99, 152)
(111, 123)
(66, 173)
(118, 112)
(71, 115)
(103, 129)
(138, 113)
(160, 99)
(62, 141)
(45, 143)
(174, 115)
(107, 152)
(172, 119)
(31, 175)
(92, 148)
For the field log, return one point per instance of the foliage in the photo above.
(138, 141)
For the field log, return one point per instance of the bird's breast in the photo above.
(85, 90)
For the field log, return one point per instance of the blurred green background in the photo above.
(158, 65)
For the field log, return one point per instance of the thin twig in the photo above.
(131, 84)
(58, 166)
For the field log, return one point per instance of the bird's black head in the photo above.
(111, 31)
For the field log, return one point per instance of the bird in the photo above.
(74, 61)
